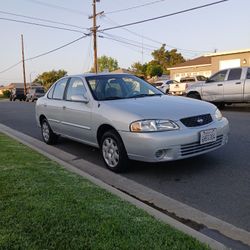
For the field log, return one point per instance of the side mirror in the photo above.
(209, 80)
(79, 98)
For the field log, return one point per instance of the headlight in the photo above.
(218, 115)
(153, 125)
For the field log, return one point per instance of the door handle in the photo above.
(64, 107)
(238, 83)
(220, 84)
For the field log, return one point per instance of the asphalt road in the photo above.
(217, 183)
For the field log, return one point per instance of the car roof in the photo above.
(98, 74)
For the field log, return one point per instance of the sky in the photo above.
(221, 27)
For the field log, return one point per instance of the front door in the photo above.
(213, 88)
(76, 115)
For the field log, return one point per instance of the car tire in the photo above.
(113, 152)
(194, 96)
(48, 135)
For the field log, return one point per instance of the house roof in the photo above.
(199, 61)
(229, 52)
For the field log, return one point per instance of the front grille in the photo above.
(196, 121)
(196, 147)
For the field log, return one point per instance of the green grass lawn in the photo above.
(43, 206)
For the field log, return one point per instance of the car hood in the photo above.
(156, 107)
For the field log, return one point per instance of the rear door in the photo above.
(234, 86)
(54, 105)
(212, 89)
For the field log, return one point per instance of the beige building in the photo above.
(209, 64)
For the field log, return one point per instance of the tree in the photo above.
(46, 79)
(167, 58)
(154, 70)
(6, 93)
(105, 62)
(139, 69)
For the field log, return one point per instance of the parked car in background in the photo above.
(17, 94)
(181, 87)
(128, 118)
(224, 87)
(34, 93)
(163, 85)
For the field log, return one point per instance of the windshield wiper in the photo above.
(144, 95)
(112, 98)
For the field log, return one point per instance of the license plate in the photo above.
(207, 136)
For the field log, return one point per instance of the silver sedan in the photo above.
(127, 118)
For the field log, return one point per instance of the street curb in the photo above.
(29, 141)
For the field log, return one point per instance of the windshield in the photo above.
(111, 87)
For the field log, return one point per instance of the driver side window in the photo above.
(76, 87)
(218, 77)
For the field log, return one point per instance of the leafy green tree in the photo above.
(106, 63)
(154, 70)
(167, 58)
(46, 79)
(6, 93)
(139, 69)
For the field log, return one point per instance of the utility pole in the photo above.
(94, 30)
(24, 76)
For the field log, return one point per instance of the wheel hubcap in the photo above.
(110, 152)
(45, 131)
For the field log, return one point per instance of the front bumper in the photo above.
(174, 145)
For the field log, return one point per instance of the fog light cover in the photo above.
(161, 153)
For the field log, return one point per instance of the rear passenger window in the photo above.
(59, 89)
(234, 74)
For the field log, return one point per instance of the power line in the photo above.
(134, 7)
(41, 19)
(39, 24)
(11, 67)
(53, 50)
(167, 15)
(130, 41)
(124, 44)
(54, 6)
(43, 54)
(157, 42)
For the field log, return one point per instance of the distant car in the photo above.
(226, 86)
(17, 94)
(163, 85)
(34, 94)
(185, 82)
(127, 118)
